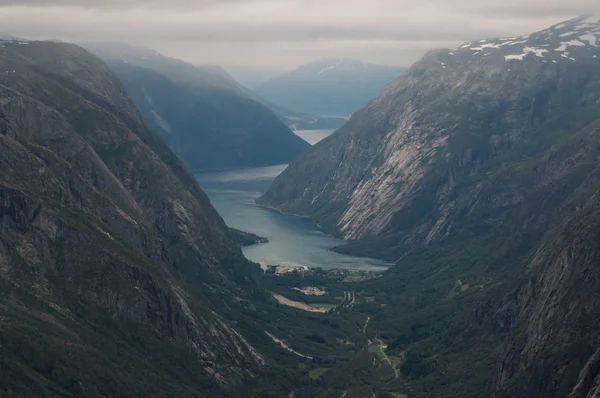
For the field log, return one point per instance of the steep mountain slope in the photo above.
(478, 172)
(397, 164)
(553, 350)
(328, 86)
(208, 119)
(108, 247)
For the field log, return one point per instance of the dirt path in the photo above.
(297, 304)
(287, 347)
(366, 324)
(387, 359)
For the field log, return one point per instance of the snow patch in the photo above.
(512, 43)
(591, 39)
(489, 45)
(566, 55)
(330, 67)
(576, 43)
(539, 52)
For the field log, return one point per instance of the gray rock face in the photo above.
(97, 216)
(396, 164)
(479, 170)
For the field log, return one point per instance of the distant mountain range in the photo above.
(252, 77)
(207, 118)
(334, 87)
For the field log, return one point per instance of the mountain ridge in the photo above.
(328, 87)
(106, 243)
(205, 116)
(352, 222)
(477, 174)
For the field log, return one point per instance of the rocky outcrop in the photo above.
(553, 350)
(103, 232)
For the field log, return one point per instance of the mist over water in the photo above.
(293, 240)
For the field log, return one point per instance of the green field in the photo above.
(375, 348)
(398, 395)
(316, 373)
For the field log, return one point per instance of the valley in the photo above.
(292, 240)
(167, 232)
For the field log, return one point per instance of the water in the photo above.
(314, 136)
(293, 240)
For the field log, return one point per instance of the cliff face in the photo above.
(478, 172)
(108, 247)
(397, 165)
(553, 349)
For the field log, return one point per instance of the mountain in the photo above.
(110, 254)
(328, 86)
(477, 173)
(7, 37)
(250, 77)
(206, 117)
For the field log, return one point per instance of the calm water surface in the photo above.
(292, 240)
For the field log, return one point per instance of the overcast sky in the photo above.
(281, 34)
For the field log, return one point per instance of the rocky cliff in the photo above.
(478, 172)
(396, 166)
(108, 247)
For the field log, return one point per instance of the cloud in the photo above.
(121, 4)
(285, 32)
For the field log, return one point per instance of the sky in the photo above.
(282, 34)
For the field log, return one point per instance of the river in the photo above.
(293, 240)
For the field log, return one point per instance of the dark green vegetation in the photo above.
(206, 118)
(479, 176)
(328, 86)
(246, 238)
(118, 278)
(110, 254)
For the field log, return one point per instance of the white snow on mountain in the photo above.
(564, 39)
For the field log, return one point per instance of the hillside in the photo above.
(333, 87)
(109, 250)
(207, 119)
(456, 113)
(477, 173)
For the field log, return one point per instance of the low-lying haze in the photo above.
(280, 34)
